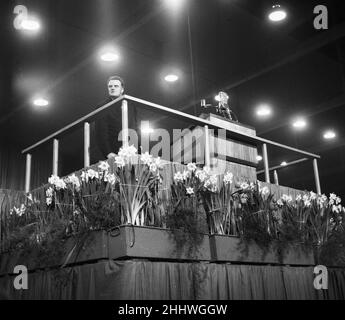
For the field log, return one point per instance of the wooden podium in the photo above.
(226, 154)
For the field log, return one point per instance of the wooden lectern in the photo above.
(226, 154)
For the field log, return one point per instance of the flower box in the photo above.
(93, 247)
(122, 242)
(153, 243)
(233, 249)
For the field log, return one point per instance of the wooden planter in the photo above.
(127, 241)
(232, 249)
(153, 243)
(93, 247)
(120, 243)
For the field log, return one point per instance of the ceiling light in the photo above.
(258, 158)
(109, 56)
(30, 24)
(174, 4)
(171, 78)
(145, 127)
(329, 134)
(277, 13)
(263, 111)
(284, 163)
(41, 102)
(299, 123)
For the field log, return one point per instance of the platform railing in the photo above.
(193, 120)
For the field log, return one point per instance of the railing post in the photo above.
(317, 178)
(28, 172)
(275, 175)
(86, 144)
(265, 159)
(124, 108)
(55, 156)
(207, 148)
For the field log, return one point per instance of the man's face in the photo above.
(115, 88)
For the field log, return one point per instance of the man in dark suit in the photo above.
(109, 125)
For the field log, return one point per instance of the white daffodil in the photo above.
(49, 192)
(332, 198)
(53, 179)
(190, 191)
(307, 203)
(207, 170)
(244, 185)
(280, 203)
(84, 177)
(153, 167)
(313, 195)
(228, 178)
(74, 180)
(120, 161)
(111, 178)
(286, 198)
(201, 175)
(104, 166)
(185, 174)
(92, 173)
(57, 182)
(49, 201)
(265, 191)
(146, 158)
(191, 166)
(178, 177)
(211, 183)
(127, 152)
(158, 162)
(213, 179)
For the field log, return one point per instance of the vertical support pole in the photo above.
(275, 175)
(207, 148)
(265, 159)
(124, 108)
(317, 178)
(28, 172)
(55, 156)
(86, 144)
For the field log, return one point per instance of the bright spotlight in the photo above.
(277, 13)
(171, 78)
(30, 24)
(299, 123)
(258, 158)
(40, 102)
(109, 56)
(145, 127)
(174, 4)
(263, 111)
(329, 134)
(284, 163)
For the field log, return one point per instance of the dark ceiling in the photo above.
(232, 46)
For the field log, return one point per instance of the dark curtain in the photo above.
(12, 168)
(141, 279)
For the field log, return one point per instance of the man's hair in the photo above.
(117, 78)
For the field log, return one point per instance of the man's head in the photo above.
(116, 86)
